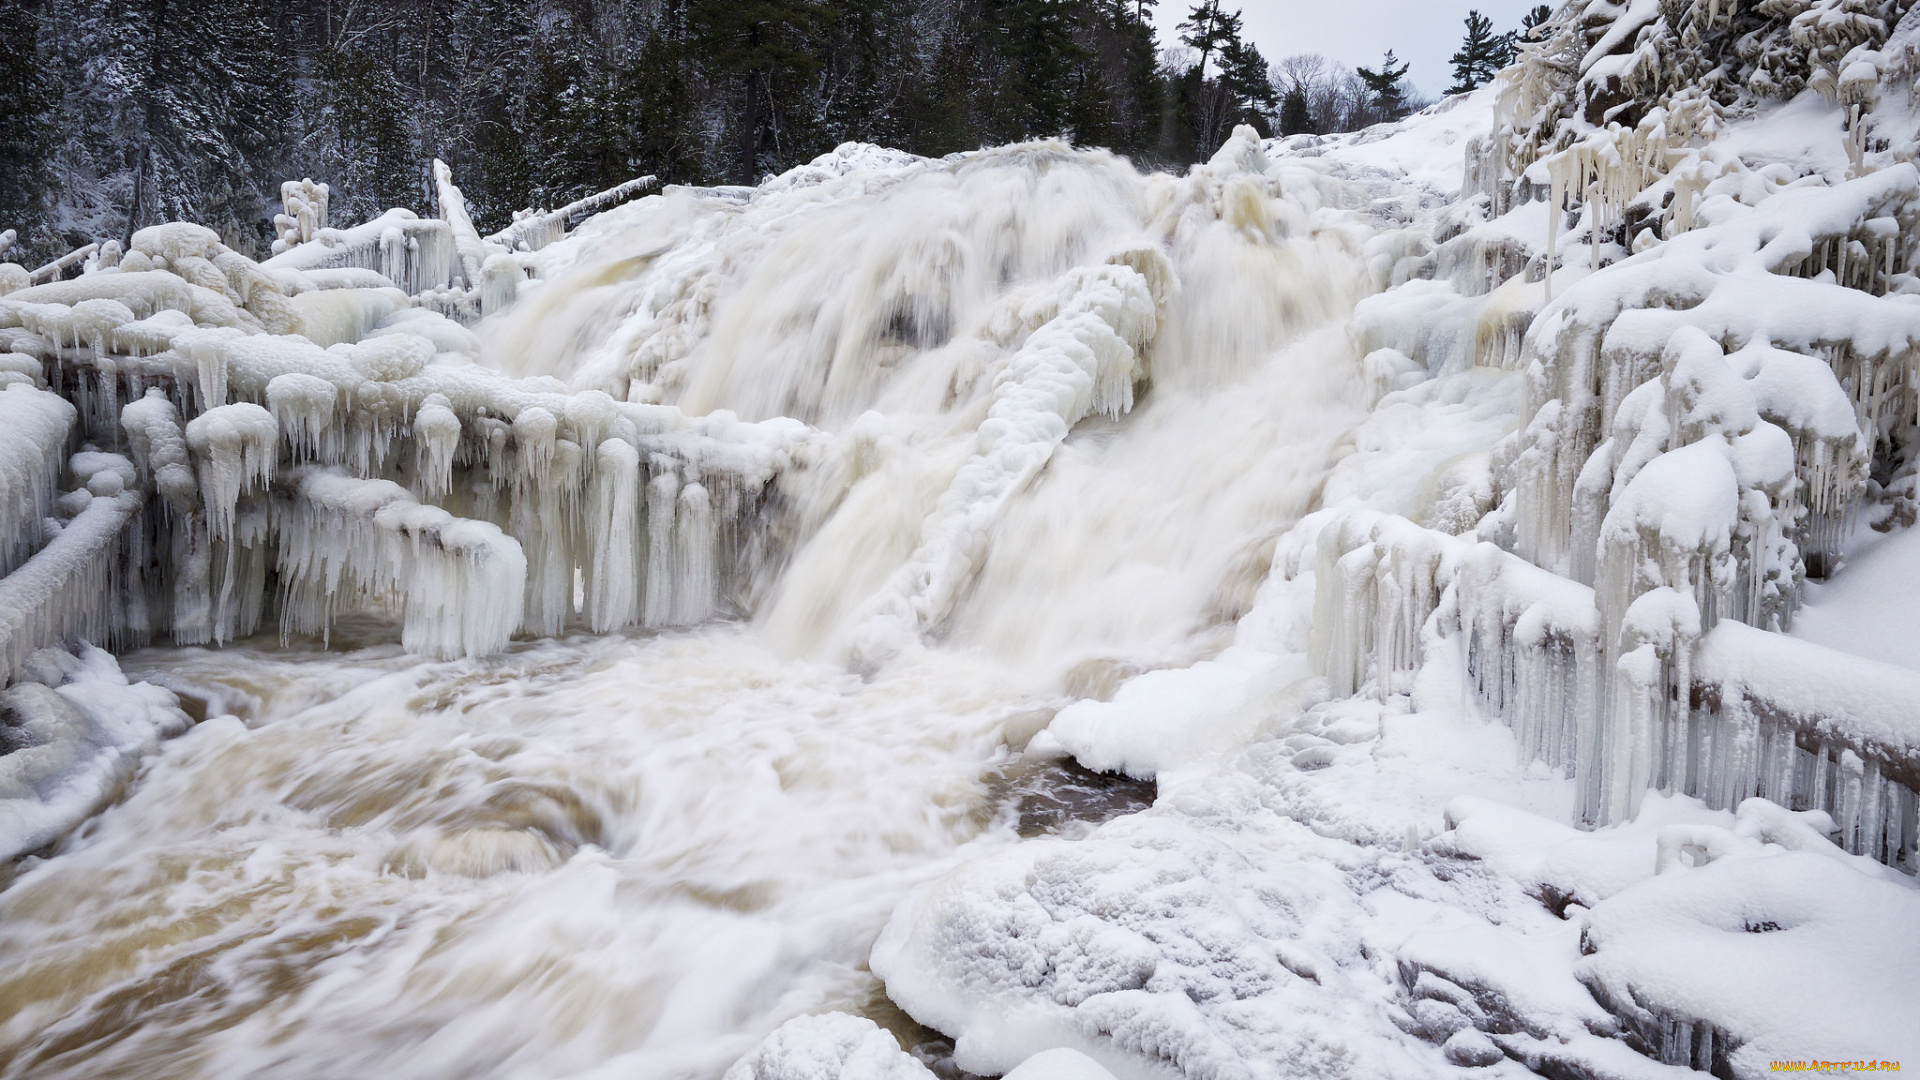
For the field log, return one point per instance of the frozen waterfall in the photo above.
(1332, 612)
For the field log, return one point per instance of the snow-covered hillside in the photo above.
(1484, 539)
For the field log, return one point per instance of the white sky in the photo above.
(1356, 32)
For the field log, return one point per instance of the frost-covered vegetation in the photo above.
(117, 115)
(1430, 517)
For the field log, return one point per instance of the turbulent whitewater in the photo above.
(1380, 606)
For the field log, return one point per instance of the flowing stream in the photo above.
(634, 855)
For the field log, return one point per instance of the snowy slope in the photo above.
(1872, 608)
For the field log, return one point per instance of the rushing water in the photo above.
(635, 855)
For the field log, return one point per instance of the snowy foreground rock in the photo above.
(1475, 529)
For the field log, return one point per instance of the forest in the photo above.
(124, 113)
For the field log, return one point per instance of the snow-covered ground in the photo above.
(1872, 608)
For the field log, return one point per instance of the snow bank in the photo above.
(1694, 959)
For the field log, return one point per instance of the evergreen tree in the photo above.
(374, 160)
(1033, 97)
(1129, 53)
(1533, 20)
(1386, 88)
(1209, 29)
(1296, 112)
(28, 97)
(148, 110)
(656, 97)
(767, 45)
(1248, 85)
(181, 109)
(1481, 55)
(865, 91)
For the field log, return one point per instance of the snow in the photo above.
(1428, 149)
(1871, 608)
(1707, 943)
(830, 1047)
(71, 733)
(1448, 558)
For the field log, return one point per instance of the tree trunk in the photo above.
(139, 191)
(750, 125)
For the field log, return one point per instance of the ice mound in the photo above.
(830, 1047)
(72, 731)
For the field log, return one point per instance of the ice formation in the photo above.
(73, 728)
(1426, 514)
(188, 342)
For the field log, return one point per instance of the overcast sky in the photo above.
(1355, 32)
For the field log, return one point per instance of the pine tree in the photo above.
(944, 110)
(1130, 51)
(767, 45)
(655, 97)
(1533, 20)
(1249, 86)
(375, 161)
(1034, 97)
(180, 110)
(1481, 55)
(147, 110)
(28, 97)
(1208, 29)
(867, 62)
(1385, 87)
(1296, 112)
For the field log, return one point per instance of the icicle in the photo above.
(345, 541)
(663, 493)
(613, 516)
(436, 441)
(302, 406)
(236, 446)
(693, 557)
(500, 278)
(34, 425)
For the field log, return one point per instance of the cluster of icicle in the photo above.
(64, 558)
(1607, 107)
(1704, 406)
(305, 443)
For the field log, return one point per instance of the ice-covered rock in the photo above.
(72, 730)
